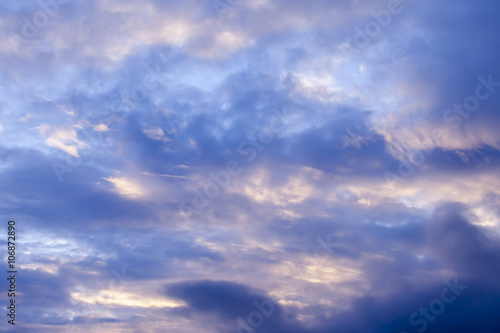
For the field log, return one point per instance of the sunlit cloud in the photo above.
(127, 187)
(187, 166)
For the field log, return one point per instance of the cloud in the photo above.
(116, 113)
(231, 301)
(101, 128)
(127, 187)
(463, 245)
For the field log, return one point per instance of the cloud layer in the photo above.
(253, 165)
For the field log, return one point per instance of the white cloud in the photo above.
(62, 137)
(101, 128)
(127, 187)
(155, 133)
(123, 298)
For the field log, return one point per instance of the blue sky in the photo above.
(256, 166)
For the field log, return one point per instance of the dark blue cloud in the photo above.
(230, 301)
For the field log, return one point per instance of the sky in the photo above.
(251, 166)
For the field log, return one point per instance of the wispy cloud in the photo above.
(189, 166)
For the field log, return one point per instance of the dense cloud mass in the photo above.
(252, 166)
